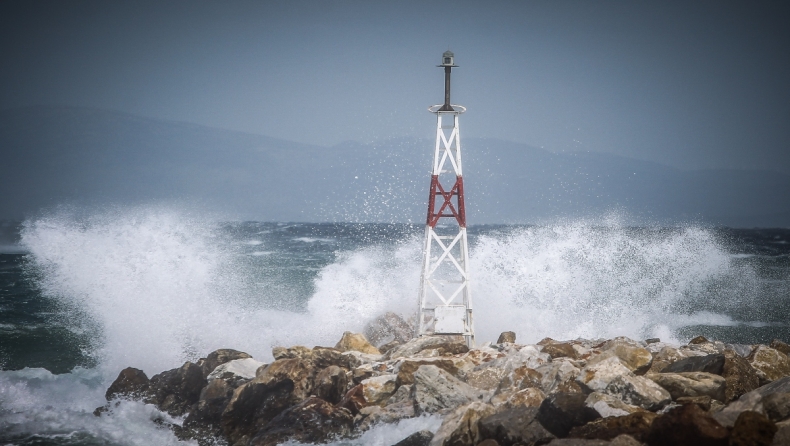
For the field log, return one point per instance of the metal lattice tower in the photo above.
(445, 298)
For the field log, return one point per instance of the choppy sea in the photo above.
(85, 294)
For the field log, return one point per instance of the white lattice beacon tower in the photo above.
(445, 300)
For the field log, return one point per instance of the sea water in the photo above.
(84, 294)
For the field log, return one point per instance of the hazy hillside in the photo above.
(55, 155)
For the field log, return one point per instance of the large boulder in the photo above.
(237, 371)
(609, 406)
(777, 406)
(213, 400)
(561, 412)
(739, 376)
(388, 328)
(636, 425)
(559, 376)
(434, 390)
(311, 421)
(638, 391)
(770, 363)
(636, 358)
(278, 386)
(687, 424)
(691, 384)
(176, 391)
(219, 357)
(430, 346)
(131, 383)
(419, 438)
(356, 342)
(598, 375)
(709, 364)
(530, 397)
(752, 429)
(515, 426)
(461, 426)
(751, 401)
(560, 350)
(353, 400)
(331, 384)
(379, 389)
(506, 336)
(405, 368)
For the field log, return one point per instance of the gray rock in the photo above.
(311, 421)
(561, 412)
(331, 383)
(461, 426)
(131, 383)
(515, 426)
(176, 391)
(777, 406)
(434, 389)
(709, 364)
(690, 384)
(219, 357)
(638, 391)
(421, 438)
(387, 328)
(507, 336)
(442, 344)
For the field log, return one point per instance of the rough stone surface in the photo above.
(131, 383)
(709, 364)
(379, 389)
(609, 406)
(781, 346)
(253, 405)
(443, 345)
(704, 402)
(296, 370)
(213, 400)
(638, 391)
(434, 390)
(739, 375)
(690, 384)
(236, 370)
(515, 426)
(353, 400)
(219, 357)
(531, 397)
(560, 350)
(559, 376)
(687, 424)
(323, 357)
(176, 390)
(311, 421)
(421, 438)
(782, 436)
(599, 374)
(777, 406)
(331, 384)
(389, 327)
(406, 368)
(561, 412)
(295, 352)
(634, 357)
(772, 363)
(356, 342)
(461, 426)
(752, 429)
(506, 336)
(578, 442)
(637, 425)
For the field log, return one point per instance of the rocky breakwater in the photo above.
(582, 392)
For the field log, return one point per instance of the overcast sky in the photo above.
(688, 84)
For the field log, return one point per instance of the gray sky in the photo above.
(688, 84)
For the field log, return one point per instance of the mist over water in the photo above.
(151, 287)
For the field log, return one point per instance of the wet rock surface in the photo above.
(619, 392)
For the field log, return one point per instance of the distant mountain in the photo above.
(51, 155)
